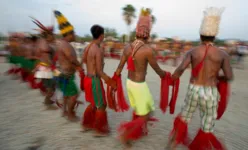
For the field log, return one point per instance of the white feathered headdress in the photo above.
(211, 21)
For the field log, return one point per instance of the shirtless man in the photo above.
(138, 55)
(95, 115)
(68, 65)
(206, 61)
(13, 43)
(44, 52)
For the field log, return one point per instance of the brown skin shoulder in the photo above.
(143, 56)
(216, 60)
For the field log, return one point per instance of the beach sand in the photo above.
(26, 122)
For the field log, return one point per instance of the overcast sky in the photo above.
(174, 17)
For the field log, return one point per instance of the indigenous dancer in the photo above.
(95, 115)
(68, 65)
(44, 51)
(32, 60)
(206, 60)
(12, 57)
(138, 55)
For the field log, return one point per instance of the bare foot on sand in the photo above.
(64, 114)
(84, 129)
(73, 118)
(127, 144)
(97, 134)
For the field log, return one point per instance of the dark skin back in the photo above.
(43, 50)
(67, 57)
(144, 56)
(215, 61)
(95, 61)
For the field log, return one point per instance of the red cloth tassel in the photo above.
(17, 70)
(133, 130)
(122, 104)
(41, 87)
(89, 117)
(130, 64)
(223, 88)
(180, 131)
(205, 141)
(89, 97)
(111, 98)
(31, 80)
(82, 76)
(164, 93)
(10, 71)
(101, 121)
(173, 100)
(24, 74)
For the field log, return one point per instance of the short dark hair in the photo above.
(96, 31)
(207, 38)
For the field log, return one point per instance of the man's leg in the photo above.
(88, 118)
(205, 139)
(71, 107)
(179, 133)
(65, 112)
(49, 91)
(101, 122)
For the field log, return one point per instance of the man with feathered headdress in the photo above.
(207, 89)
(44, 53)
(138, 55)
(68, 65)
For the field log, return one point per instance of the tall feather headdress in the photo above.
(211, 21)
(42, 28)
(64, 25)
(144, 24)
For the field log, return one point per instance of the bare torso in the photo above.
(43, 51)
(211, 65)
(91, 59)
(67, 57)
(141, 62)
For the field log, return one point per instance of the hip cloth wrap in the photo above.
(206, 98)
(94, 91)
(140, 97)
(44, 71)
(67, 84)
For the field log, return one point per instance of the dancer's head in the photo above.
(66, 29)
(144, 25)
(210, 24)
(97, 32)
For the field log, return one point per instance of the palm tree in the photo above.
(128, 15)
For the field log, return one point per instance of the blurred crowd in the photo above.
(173, 51)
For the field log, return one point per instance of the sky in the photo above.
(180, 18)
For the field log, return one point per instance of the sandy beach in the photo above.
(24, 120)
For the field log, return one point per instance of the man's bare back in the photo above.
(214, 61)
(95, 61)
(144, 55)
(43, 51)
(67, 57)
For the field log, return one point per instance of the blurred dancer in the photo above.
(44, 53)
(68, 65)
